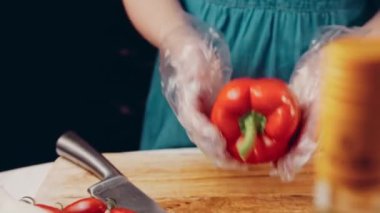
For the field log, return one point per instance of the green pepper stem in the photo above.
(251, 125)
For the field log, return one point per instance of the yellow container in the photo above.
(348, 168)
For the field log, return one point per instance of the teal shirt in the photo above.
(266, 38)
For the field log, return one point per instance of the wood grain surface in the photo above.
(183, 180)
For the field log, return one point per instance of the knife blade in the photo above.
(113, 185)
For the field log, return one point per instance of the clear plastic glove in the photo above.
(305, 83)
(194, 66)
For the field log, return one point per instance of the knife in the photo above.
(113, 185)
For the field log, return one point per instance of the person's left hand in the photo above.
(305, 83)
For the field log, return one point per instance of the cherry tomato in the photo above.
(48, 209)
(86, 205)
(121, 210)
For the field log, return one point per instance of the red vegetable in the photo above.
(86, 205)
(49, 209)
(257, 117)
(46, 208)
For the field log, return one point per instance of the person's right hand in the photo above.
(194, 65)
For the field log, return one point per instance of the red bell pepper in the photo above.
(257, 117)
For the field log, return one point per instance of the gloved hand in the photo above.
(305, 83)
(194, 65)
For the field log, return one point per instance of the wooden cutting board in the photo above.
(183, 180)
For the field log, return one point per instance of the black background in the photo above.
(70, 65)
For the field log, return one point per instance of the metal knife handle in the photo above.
(78, 151)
